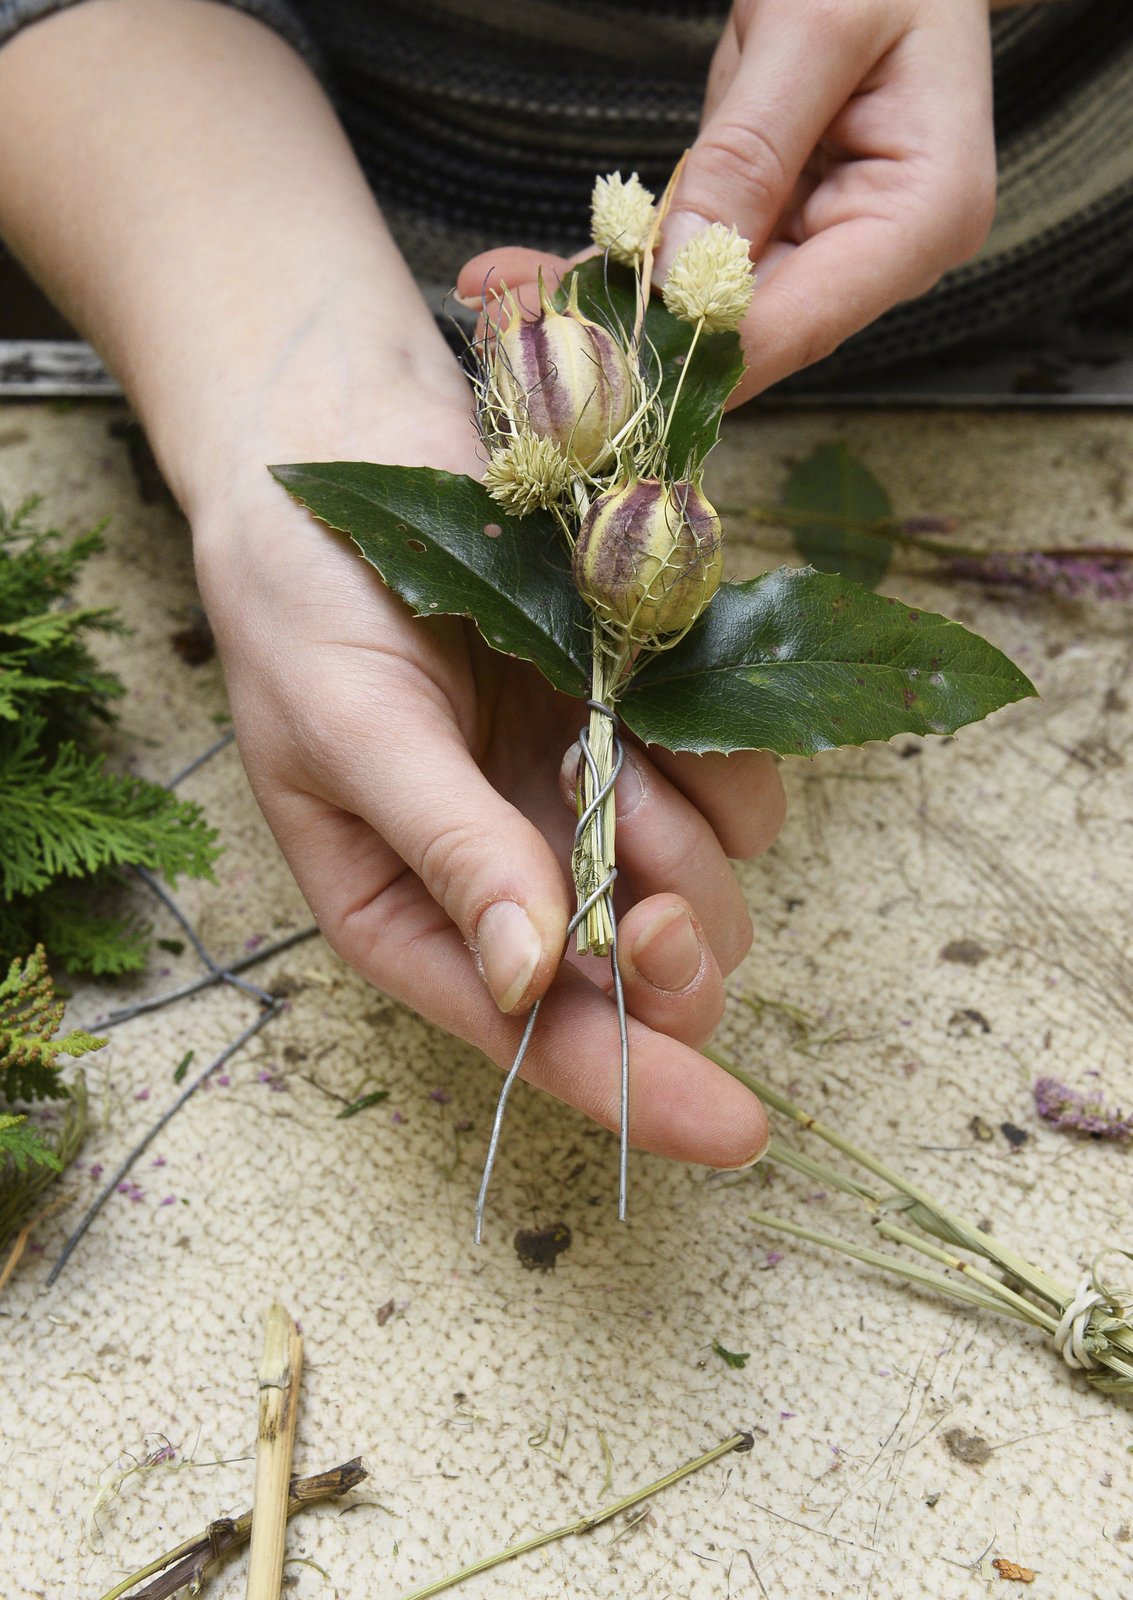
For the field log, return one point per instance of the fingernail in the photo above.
(751, 1160)
(629, 790)
(679, 228)
(668, 953)
(508, 950)
(568, 772)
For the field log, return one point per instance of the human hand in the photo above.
(417, 786)
(851, 141)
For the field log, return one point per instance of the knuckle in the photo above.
(448, 865)
(744, 161)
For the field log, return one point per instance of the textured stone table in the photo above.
(901, 1442)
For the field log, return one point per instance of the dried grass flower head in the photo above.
(711, 279)
(621, 217)
(527, 474)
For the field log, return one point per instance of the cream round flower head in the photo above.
(711, 279)
(621, 217)
(527, 473)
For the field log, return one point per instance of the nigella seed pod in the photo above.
(565, 379)
(649, 557)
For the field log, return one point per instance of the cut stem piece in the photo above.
(280, 1371)
(738, 1441)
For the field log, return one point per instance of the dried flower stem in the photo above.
(737, 1441)
(594, 857)
(894, 530)
(645, 276)
(190, 1563)
(280, 1371)
(1096, 1322)
(672, 410)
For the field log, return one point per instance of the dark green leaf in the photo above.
(425, 532)
(606, 295)
(183, 1066)
(734, 1358)
(174, 947)
(799, 661)
(842, 491)
(363, 1102)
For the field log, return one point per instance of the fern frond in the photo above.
(30, 1015)
(23, 1145)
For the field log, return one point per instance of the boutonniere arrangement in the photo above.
(590, 549)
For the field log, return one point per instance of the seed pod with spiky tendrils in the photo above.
(562, 377)
(649, 557)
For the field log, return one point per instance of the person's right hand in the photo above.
(415, 782)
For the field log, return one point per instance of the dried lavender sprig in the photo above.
(1064, 1107)
(1104, 571)
(1066, 573)
(1092, 1327)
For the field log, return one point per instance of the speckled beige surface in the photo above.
(491, 1401)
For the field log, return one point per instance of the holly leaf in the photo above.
(799, 661)
(842, 491)
(443, 544)
(606, 295)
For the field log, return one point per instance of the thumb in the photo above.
(477, 855)
(795, 71)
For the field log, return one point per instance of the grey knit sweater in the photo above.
(484, 121)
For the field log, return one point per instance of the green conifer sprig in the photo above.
(67, 824)
(23, 1146)
(30, 1015)
(65, 815)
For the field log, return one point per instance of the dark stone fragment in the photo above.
(968, 952)
(541, 1247)
(971, 1448)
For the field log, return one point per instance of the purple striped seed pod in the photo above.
(649, 557)
(566, 379)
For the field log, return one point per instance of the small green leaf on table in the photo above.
(442, 543)
(733, 1358)
(799, 661)
(842, 493)
(363, 1103)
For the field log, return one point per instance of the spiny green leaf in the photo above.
(842, 490)
(606, 295)
(443, 544)
(799, 661)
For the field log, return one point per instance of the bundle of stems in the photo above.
(1091, 1326)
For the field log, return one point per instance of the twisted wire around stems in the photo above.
(604, 891)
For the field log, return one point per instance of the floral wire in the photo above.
(603, 892)
(271, 1006)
